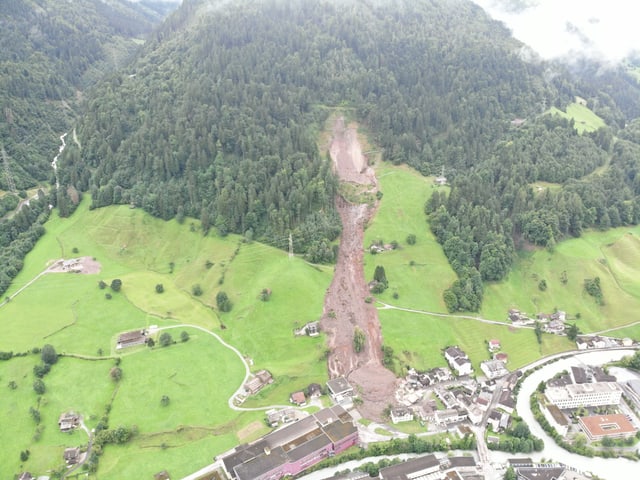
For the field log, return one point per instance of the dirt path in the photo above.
(344, 306)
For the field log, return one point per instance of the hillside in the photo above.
(51, 52)
(217, 119)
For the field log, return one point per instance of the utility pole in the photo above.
(7, 172)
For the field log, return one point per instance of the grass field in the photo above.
(71, 312)
(585, 119)
(614, 256)
(417, 273)
(420, 273)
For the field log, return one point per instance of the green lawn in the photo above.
(585, 119)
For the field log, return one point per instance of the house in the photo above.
(440, 180)
(129, 339)
(255, 384)
(294, 447)
(449, 416)
(276, 417)
(598, 427)
(298, 398)
(426, 410)
(506, 401)
(555, 326)
(483, 400)
(501, 357)
(68, 421)
(339, 389)
(163, 475)
(401, 414)
(475, 415)
(416, 468)
(518, 122)
(493, 369)
(314, 390)
(71, 455)
(25, 476)
(579, 375)
(494, 344)
(458, 360)
(499, 421)
(311, 329)
(462, 465)
(582, 343)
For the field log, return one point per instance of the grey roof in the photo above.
(339, 385)
(462, 462)
(540, 473)
(455, 352)
(402, 471)
(309, 447)
(261, 464)
(579, 374)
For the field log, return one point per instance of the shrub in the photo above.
(165, 339)
(159, 288)
(196, 290)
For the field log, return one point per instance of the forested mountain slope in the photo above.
(218, 117)
(51, 51)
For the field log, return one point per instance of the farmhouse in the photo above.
(71, 456)
(129, 339)
(293, 448)
(163, 475)
(311, 329)
(498, 420)
(68, 421)
(257, 383)
(449, 416)
(339, 389)
(25, 476)
(494, 344)
(314, 390)
(298, 398)
(598, 427)
(420, 467)
(584, 395)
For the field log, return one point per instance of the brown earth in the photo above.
(88, 265)
(344, 305)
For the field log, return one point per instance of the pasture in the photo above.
(72, 313)
(585, 119)
(613, 256)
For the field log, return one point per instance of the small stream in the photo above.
(54, 163)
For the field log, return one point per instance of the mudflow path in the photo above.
(344, 305)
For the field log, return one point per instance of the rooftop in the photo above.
(540, 473)
(404, 471)
(568, 391)
(339, 385)
(603, 425)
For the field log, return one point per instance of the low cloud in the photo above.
(603, 30)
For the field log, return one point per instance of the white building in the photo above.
(458, 360)
(584, 395)
(493, 369)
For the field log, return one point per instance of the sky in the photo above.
(604, 30)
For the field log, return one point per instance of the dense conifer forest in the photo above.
(51, 53)
(218, 118)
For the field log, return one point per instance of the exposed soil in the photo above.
(85, 265)
(344, 306)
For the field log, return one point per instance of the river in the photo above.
(610, 469)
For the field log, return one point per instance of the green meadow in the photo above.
(70, 312)
(585, 119)
(613, 256)
(418, 275)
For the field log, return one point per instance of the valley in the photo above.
(280, 235)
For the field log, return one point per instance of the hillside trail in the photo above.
(344, 306)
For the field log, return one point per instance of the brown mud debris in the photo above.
(345, 307)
